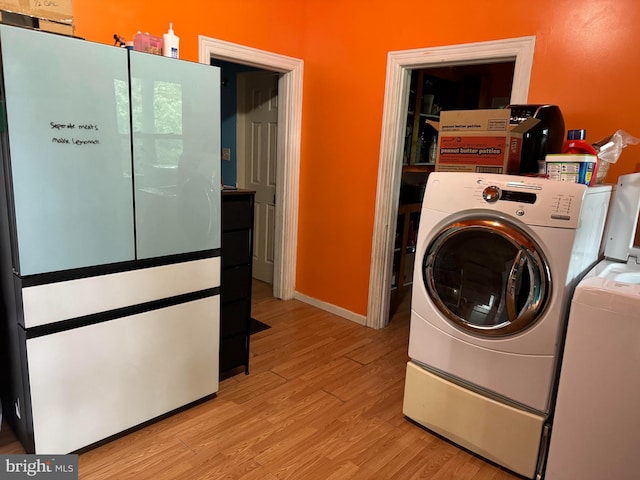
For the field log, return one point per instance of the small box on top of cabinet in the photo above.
(144, 42)
(60, 10)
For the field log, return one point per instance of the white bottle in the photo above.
(433, 150)
(420, 148)
(171, 43)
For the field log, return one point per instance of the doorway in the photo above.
(257, 146)
(432, 90)
(288, 154)
(392, 143)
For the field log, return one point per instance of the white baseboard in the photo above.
(328, 307)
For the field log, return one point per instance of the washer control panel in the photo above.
(537, 200)
(534, 200)
(493, 193)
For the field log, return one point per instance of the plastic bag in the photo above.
(609, 150)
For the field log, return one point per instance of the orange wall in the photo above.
(248, 22)
(585, 61)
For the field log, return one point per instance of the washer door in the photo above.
(486, 277)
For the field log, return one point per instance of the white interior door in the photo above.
(258, 125)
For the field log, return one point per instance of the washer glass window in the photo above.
(487, 277)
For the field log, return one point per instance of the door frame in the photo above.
(396, 101)
(288, 153)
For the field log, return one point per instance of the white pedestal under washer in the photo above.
(497, 260)
(596, 426)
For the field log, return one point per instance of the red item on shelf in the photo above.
(580, 146)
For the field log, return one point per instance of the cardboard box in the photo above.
(577, 168)
(57, 10)
(480, 141)
(20, 20)
(56, 27)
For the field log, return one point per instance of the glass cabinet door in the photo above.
(176, 154)
(66, 151)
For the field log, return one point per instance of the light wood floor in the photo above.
(323, 401)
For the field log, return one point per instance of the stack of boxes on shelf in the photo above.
(56, 17)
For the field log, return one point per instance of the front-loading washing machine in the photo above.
(596, 427)
(497, 260)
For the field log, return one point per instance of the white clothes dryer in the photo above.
(497, 260)
(596, 427)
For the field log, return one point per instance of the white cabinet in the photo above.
(95, 381)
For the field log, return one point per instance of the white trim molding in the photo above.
(334, 309)
(288, 152)
(396, 97)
